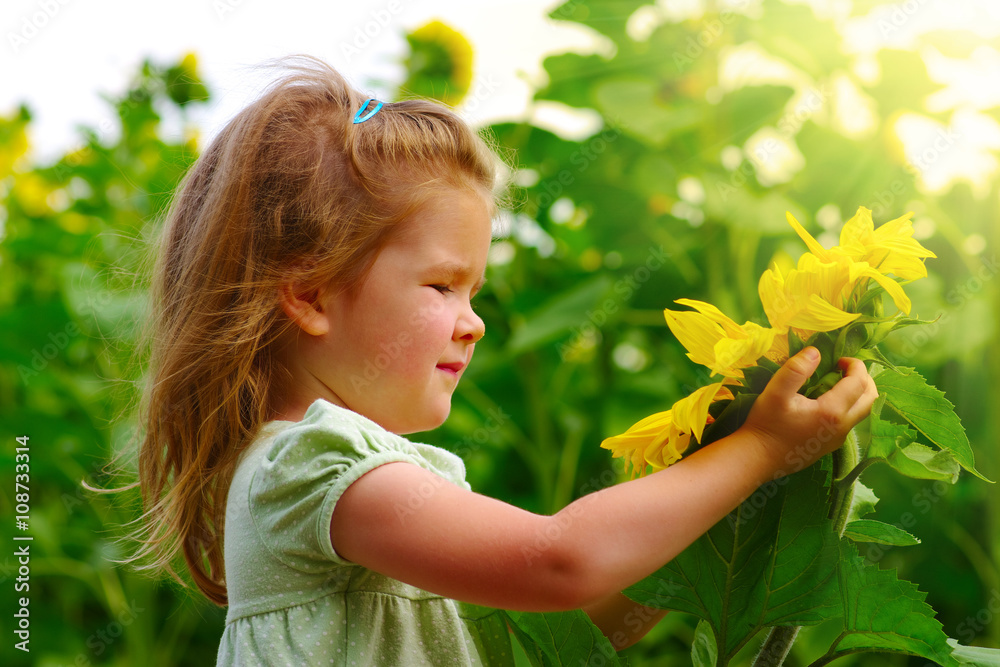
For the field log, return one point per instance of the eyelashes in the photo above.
(445, 289)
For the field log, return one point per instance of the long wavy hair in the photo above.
(290, 190)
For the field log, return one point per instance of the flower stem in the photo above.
(846, 470)
(845, 464)
(858, 469)
(776, 647)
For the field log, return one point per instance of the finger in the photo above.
(853, 391)
(852, 366)
(794, 373)
(855, 368)
(862, 407)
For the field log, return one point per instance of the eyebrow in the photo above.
(454, 269)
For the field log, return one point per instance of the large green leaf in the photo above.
(882, 613)
(773, 561)
(573, 310)
(894, 444)
(730, 202)
(794, 33)
(869, 530)
(928, 411)
(651, 118)
(562, 638)
(605, 16)
(911, 79)
(863, 503)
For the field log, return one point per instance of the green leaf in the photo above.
(744, 110)
(782, 33)
(825, 342)
(756, 378)
(561, 638)
(921, 462)
(875, 355)
(488, 628)
(863, 503)
(795, 344)
(894, 444)
(773, 561)
(731, 418)
(741, 208)
(868, 530)
(928, 411)
(975, 655)
(704, 652)
(559, 315)
(651, 118)
(883, 329)
(911, 77)
(882, 613)
(887, 438)
(183, 82)
(851, 339)
(608, 17)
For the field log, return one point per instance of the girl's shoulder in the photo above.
(292, 476)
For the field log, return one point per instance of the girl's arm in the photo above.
(623, 621)
(469, 547)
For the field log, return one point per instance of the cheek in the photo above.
(440, 330)
(430, 320)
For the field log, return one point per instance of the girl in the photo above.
(311, 306)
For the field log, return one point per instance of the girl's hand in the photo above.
(795, 431)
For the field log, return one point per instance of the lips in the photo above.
(453, 367)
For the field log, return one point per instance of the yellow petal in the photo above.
(818, 315)
(813, 245)
(668, 454)
(897, 236)
(734, 354)
(714, 340)
(905, 267)
(859, 230)
(691, 412)
(696, 333)
(892, 288)
(714, 314)
(890, 249)
(645, 436)
(778, 353)
(802, 299)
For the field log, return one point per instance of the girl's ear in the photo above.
(304, 309)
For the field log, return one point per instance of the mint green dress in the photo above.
(292, 599)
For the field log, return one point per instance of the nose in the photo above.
(469, 327)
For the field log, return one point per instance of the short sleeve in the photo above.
(306, 469)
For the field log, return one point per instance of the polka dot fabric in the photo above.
(292, 599)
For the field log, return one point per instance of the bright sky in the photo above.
(57, 55)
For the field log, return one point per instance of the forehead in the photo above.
(448, 220)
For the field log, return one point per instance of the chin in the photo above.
(432, 421)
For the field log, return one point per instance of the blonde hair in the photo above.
(290, 190)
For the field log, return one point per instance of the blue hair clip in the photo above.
(358, 118)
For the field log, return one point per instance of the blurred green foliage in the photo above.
(69, 305)
(681, 192)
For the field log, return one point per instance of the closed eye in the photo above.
(444, 289)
